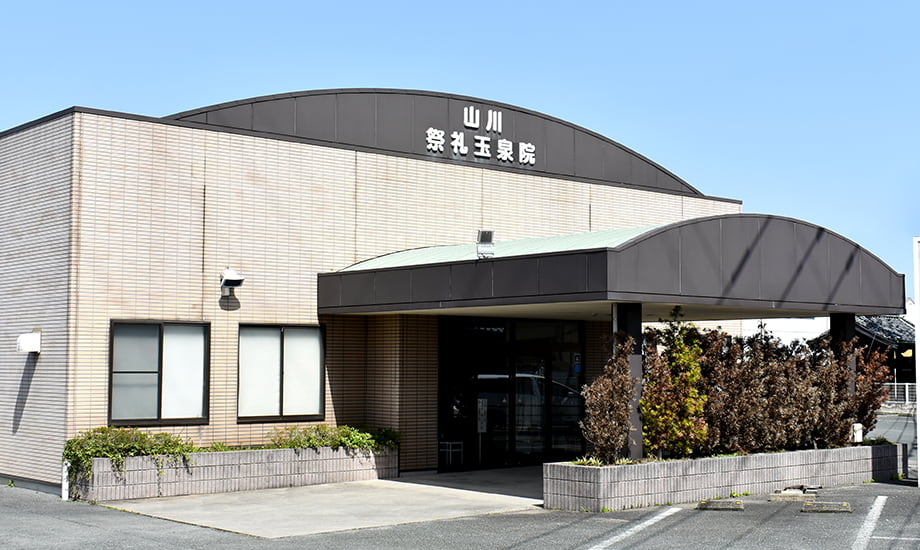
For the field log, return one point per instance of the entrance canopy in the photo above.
(721, 267)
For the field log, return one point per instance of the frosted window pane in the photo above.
(302, 369)
(136, 348)
(134, 396)
(183, 371)
(260, 371)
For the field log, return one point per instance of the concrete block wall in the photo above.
(231, 471)
(572, 487)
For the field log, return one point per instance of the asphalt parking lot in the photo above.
(884, 514)
(762, 525)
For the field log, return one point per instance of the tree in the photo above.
(672, 403)
(606, 425)
(871, 376)
(830, 416)
(735, 406)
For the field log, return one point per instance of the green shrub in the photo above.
(314, 437)
(588, 461)
(876, 441)
(385, 437)
(673, 403)
(118, 443)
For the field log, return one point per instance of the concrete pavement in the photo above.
(30, 520)
(274, 513)
(485, 509)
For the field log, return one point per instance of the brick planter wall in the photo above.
(223, 472)
(572, 487)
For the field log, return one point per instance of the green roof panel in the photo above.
(504, 249)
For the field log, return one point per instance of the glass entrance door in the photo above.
(509, 392)
(475, 395)
(529, 406)
(548, 380)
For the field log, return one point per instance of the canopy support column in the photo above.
(843, 330)
(627, 321)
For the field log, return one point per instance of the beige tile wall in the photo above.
(160, 210)
(401, 379)
(346, 368)
(418, 393)
(35, 176)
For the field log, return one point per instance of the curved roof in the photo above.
(396, 121)
(719, 267)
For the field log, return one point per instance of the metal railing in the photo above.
(902, 393)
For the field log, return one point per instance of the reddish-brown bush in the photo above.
(606, 424)
(712, 393)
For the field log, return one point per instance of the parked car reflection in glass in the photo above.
(566, 405)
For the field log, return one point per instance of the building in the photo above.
(894, 332)
(344, 225)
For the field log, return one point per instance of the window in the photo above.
(281, 373)
(159, 373)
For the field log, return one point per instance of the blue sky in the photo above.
(803, 109)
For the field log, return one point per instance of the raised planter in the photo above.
(229, 471)
(592, 488)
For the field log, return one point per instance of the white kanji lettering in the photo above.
(435, 140)
(483, 147)
(505, 150)
(527, 153)
(471, 117)
(457, 144)
(494, 122)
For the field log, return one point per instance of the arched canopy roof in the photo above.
(399, 122)
(720, 267)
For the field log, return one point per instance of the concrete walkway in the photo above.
(274, 513)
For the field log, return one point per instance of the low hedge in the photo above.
(117, 443)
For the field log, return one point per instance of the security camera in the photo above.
(230, 279)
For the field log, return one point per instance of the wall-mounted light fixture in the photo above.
(30, 342)
(485, 248)
(230, 279)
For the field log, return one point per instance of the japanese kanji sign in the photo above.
(483, 141)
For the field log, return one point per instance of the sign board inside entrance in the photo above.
(482, 413)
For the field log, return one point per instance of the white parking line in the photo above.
(868, 526)
(635, 529)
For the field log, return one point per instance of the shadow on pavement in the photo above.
(524, 482)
